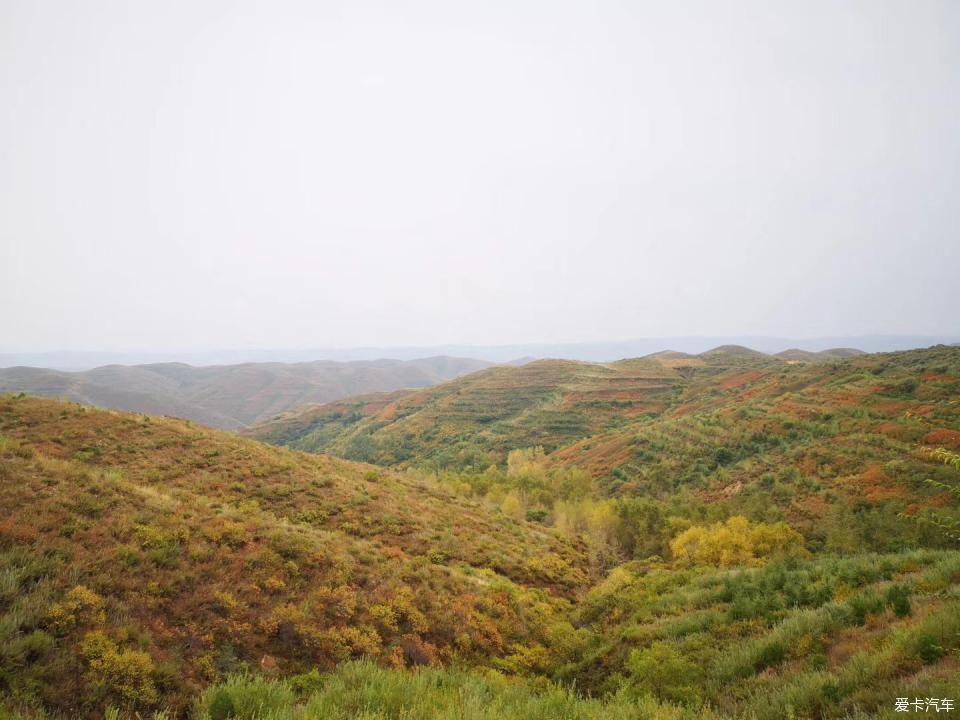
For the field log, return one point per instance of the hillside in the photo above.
(732, 533)
(837, 449)
(687, 466)
(175, 554)
(477, 419)
(231, 396)
(829, 421)
(143, 559)
(602, 417)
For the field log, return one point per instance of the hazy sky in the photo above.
(200, 174)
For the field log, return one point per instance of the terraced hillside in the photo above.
(477, 419)
(668, 419)
(844, 419)
(841, 450)
(816, 637)
(143, 557)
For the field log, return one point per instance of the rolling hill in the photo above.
(231, 396)
(587, 414)
(478, 418)
(823, 355)
(142, 557)
(651, 460)
(838, 449)
(148, 563)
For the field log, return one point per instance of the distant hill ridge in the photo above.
(831, 354)
(596, 351)
(231, 396)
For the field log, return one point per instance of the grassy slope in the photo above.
(818, 636)
(211, 551)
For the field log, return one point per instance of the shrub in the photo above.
(221, 706)
(928, 649)
(898, 597)
(770, 654)
(81, 607)
(868, 603)
(662, 671)
(246, 697)
(124, 675)
(539, 516)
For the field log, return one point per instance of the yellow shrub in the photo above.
(125, 675)
(81, 607)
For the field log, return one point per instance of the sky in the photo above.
(206, 174)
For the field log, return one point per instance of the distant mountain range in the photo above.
(231, 396)
(590, 351)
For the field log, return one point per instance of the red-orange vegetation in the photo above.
(943, 437)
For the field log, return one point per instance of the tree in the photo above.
(736, 542)
(526, 461)
(512, 507)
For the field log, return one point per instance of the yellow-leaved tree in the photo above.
(512, 506)
(736, 542)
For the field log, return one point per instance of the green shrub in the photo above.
(860, 606)
(536, 516)
(246, 697)
(770, 654)
(662, 671)
(898, 597)
(928, 649)
(221, 706)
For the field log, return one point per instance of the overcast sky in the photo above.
(202, 174)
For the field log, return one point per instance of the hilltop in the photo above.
(231, 396)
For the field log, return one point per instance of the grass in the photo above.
(363, 691)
